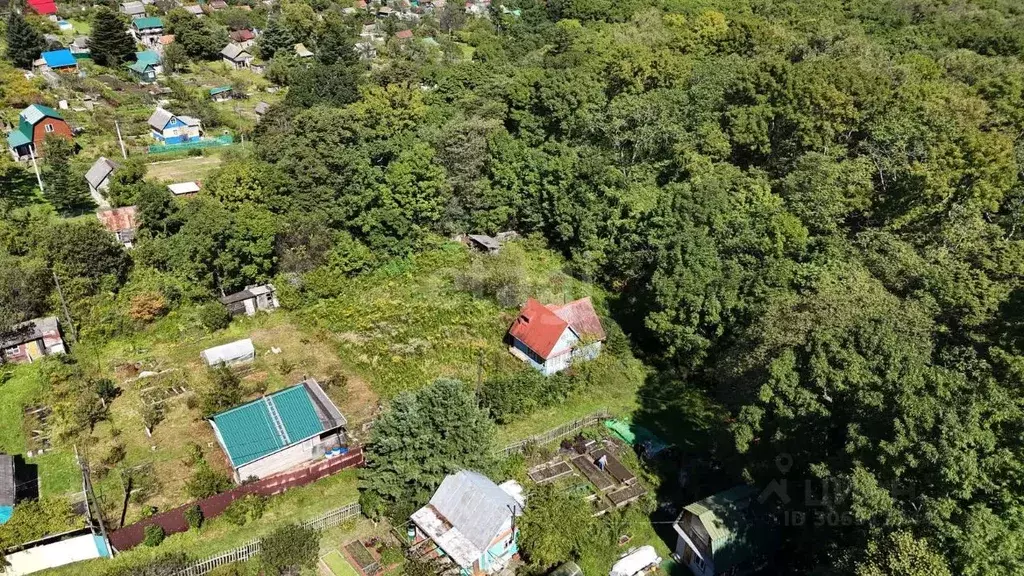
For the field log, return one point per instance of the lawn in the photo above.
(183, 169)
(338, 565)
(22, 386)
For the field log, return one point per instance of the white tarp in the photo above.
(636, 561)
(85, 547)
(237, 352)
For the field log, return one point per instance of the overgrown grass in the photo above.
(23, 386)
(218, 535)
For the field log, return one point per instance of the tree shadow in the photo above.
(26, 479)
(18, 187)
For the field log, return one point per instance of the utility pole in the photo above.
(64, 305)
(91, 498)
(39, 178)
(120, 140)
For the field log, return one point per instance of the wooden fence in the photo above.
(556, 433)
(252, 548)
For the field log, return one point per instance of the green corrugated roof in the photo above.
(36, 112)
(248, 431)
(140, 66)
(736, 534)
(148, 22)
(148, 57)
(297, 413)
(219, 89)
(17, 138)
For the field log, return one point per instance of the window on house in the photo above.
(48, 128)
(699, 563)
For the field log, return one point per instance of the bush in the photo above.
(247, 509)
(193, 454)
(213, 316)
(223, 391)
(194, 517)
(508, 396)
(289, 549)
(154, 535)
(206, 482)
(147, 306)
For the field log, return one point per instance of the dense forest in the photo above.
(807, 212)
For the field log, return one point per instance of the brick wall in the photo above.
(174, 520)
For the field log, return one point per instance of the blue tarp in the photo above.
(5, 513)
(59, 58)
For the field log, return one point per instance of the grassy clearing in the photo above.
(22, 386)
(338, 565)
(183, 169)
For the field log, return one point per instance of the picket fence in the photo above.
(252, 548)
(556, 433)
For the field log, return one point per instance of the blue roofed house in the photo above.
(146, 66)
(35, 123)
(470, 521)
(170, 129)
(280, 431)
(60, 60)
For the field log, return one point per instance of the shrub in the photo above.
(213, 316)
(247, 509)
(289, 549)
(193, 454)
(508, 396)
(194, 517)
(223, 391)
(147, 306)
(206, 482)
(154, 535)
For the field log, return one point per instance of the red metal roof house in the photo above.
(549, 337)
(43, 7)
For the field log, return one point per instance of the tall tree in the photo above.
(24, 43)
(67, 191)
(423, 437)
(110, 44)
(275, 38)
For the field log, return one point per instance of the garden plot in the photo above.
(183, 170)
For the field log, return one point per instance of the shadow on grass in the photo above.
(18, 187)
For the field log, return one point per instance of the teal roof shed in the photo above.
(276, 421)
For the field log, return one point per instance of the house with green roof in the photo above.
(146, 66)
(724, 534)
(35, 123)
(148, 30)
(280, 431)
(221, 93)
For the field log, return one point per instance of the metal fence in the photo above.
(556, 433)
(197, 144)
(252, 548)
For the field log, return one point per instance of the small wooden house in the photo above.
(721, 534)
(168, 128)
(550, 338)
(30, 341)
(252, 300)
(60, 61)
(99, 175)
(35, 123)
(236, 56)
